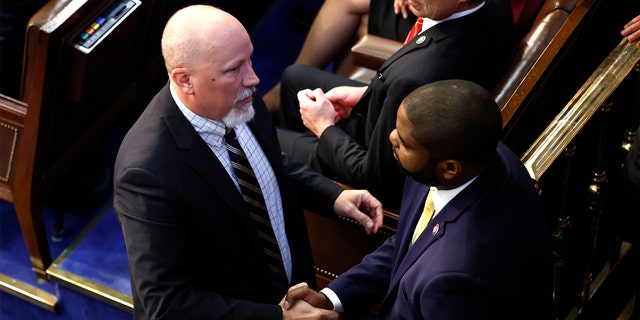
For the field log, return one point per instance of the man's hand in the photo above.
(343, 99)
(361, 206)
(316, 110)
(632, 29)
(303, 310)
(301, 291)
(301, 302)
(401, 6)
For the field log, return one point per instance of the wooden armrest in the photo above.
(535, 52)
(50, 17)
(372, 51)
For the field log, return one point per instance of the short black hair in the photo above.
(455, 119)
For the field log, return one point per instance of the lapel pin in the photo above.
(435, 230)
(421, 39)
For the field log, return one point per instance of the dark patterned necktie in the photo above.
(254, 199)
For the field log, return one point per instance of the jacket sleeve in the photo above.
(372, 167)
(364, 285)
(317, 191)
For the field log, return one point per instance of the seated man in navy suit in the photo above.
(485, 252)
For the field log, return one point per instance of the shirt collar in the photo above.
(442, 197)
(428, 23)
(211, 130)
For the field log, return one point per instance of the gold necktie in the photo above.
(427, 213)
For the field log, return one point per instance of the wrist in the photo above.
(332, 300)
(320, 130)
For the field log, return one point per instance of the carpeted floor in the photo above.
(100, 254)
(100, 257)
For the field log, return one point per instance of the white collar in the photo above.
(202, 125)
(428, 23)
(442, 197)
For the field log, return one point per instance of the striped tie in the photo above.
(258, 210)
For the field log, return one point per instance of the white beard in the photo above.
(242, 113)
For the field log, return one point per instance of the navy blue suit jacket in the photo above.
(485, 255)
(193, 250)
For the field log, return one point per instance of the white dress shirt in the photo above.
(428, 23)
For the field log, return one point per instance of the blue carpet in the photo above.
(71, 306)
(14, 258)
(101, 255)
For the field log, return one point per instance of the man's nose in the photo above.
(251, 79)
(392, 137)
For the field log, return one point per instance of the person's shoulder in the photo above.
(504, 151)
(513, 164)
(147, 139)
(517, 179)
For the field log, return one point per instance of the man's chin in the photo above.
(422, 177)
(239, 116)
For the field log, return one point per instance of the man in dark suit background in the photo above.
(194, 249)
(350, 123)
(485, 252)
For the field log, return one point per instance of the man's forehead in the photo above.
(403, 125)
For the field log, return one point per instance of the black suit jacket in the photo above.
(476, 47)
(193, 251)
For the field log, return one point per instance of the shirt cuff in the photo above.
(333, 297)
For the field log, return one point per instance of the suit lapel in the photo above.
(203, 161)
(409, 47)
(432, 35)
(435, 230)
(380, 74)
(435, 34)
(413, 211)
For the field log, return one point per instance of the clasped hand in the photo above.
(302, 302)
(320, 110)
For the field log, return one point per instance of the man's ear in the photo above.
(450, 169)
(182, 79)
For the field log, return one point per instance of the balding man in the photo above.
(211, 212)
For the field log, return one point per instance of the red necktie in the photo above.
(417, 27)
